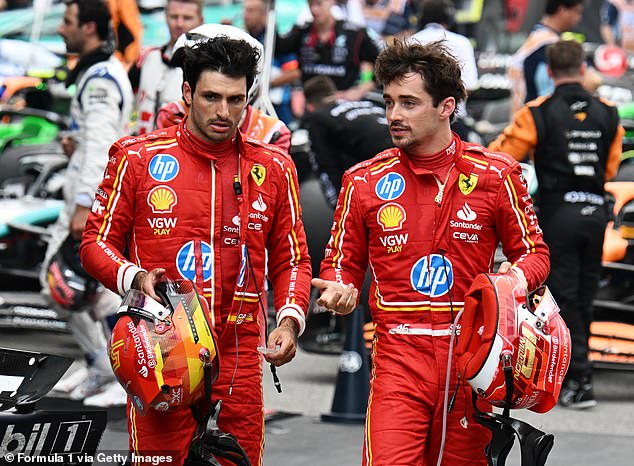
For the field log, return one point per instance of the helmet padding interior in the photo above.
(479, 324)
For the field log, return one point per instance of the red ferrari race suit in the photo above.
(165, 199)
(425, 240)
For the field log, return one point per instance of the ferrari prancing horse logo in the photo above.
(467, 183)
(258, 172)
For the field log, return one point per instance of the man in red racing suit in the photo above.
(427, 218)
(221, 214)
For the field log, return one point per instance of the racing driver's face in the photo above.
(415, 124)
(216, 105)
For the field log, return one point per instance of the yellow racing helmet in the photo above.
(164, 354)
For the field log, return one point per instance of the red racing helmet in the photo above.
(505, 327)
(164, 356)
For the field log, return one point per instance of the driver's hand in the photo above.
(147, 281)
(284, 337)
(337, 297)
(507, 267)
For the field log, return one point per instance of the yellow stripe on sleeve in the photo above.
(116, 187)
(520, 213)
(340, 229)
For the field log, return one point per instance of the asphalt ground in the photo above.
(603, 435)
(295, 434)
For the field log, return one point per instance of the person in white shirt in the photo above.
(435, 18)
(100, 111)
(155, 79)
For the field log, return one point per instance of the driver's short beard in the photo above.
(404, 143)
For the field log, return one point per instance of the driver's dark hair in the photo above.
(438, 68)
(93, 10)
(553, 5)
(233, 57)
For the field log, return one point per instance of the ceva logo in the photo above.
(186, 261)
(432, 275)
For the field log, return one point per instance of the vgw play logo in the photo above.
(432, 275)
(186, 260)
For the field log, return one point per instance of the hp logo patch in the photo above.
(432, 276)
(186, 261)
(163, 167)
(390, 187)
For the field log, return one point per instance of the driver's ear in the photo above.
(187, 93)
(447, 107)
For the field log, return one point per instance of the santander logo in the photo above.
(466, 213)
(259, 204)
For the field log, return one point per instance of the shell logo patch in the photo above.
(162, 199)
(391, 217)
(467, 183)
(258, 172)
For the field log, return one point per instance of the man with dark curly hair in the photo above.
(202, 202)
(427, 216)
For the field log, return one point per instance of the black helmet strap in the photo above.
(535, 445)
(210, 442)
